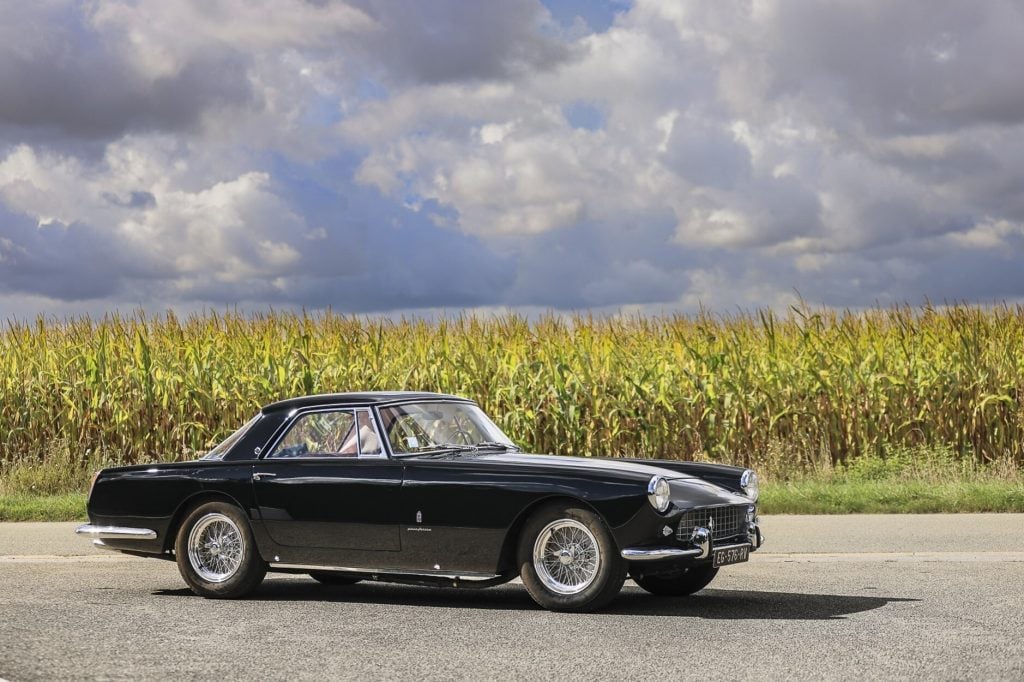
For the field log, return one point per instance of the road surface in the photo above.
(839, 597)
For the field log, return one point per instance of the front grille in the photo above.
(728, 522)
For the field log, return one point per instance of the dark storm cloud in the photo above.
(707, 155)
(901, 66)
(137, 200)
(454, 40)
(600, 264)
(899, 275)
(68, 79)
(393, 267)
(65, 262)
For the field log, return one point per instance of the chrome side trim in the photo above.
(468, 576)
(116, 532)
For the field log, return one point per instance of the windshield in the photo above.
(415, 427)
(229, 442)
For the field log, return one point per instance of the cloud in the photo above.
(375, 155)
(130, 232)
(58, 73)
(449, 41)
(906, 68)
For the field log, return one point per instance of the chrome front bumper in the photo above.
(115, 532)
(701, 550)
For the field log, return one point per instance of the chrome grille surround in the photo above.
(728, 522)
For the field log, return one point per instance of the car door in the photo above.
(456, 514)
(327, 483)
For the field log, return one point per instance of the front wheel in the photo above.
(568, 559)
(680, 584)
(216, 553)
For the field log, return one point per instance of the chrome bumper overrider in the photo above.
(115, 532)
(701, 550)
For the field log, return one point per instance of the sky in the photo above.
(393, 157)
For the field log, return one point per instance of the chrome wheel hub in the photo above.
(566, 556)
(215, 548)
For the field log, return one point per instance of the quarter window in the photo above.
(369, 441)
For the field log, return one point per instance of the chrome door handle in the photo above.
(259, 475)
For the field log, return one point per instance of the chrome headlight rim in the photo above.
(659, 493)
(750, 485)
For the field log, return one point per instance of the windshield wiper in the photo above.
(442, 449)
(497, 444)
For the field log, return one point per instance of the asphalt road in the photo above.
(871, 597)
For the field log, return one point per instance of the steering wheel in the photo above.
(460, 430)
(293, 451)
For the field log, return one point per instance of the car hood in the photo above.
(619, 468)
(687, 491)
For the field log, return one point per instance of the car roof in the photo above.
(364, 398)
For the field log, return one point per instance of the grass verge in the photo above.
(67, 507)
(891, 497)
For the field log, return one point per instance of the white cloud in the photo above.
(162, 37)
(232, 230)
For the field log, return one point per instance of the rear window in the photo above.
(225, 445)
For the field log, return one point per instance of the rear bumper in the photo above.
(702, 546)
(115, 532)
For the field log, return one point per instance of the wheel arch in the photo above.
(507, 555)
(190, 503)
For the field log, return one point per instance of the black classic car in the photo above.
(424, 488)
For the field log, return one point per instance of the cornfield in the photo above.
(799, 389)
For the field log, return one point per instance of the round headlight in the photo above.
(659, 493)
(749, 484)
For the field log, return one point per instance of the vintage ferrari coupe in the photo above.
(424, 488)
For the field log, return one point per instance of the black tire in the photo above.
(328, 578)
(602, 579)
(206, 529)
(680, 584)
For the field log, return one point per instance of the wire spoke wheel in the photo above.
(215, 548)
(566, 556)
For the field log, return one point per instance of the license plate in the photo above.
(730, 555)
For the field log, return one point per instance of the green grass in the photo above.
(906, 481)
(66, 507)
(891, 497)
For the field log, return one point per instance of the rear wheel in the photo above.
(680, 584)
(328, 578)
(568, 559)
(216, 553)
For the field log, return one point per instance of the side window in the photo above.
(320, 434)
(369, 440)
